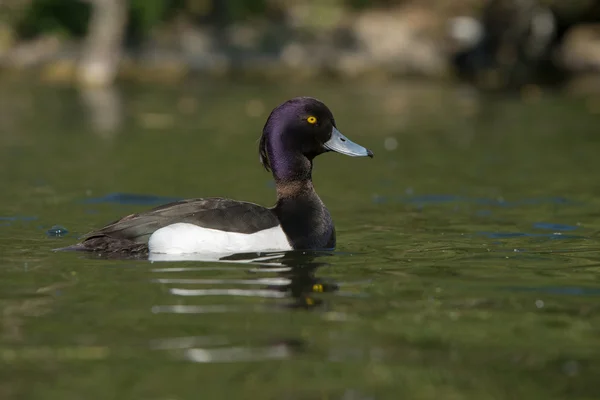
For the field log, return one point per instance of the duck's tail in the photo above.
(73, 247)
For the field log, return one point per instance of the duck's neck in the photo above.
(303, 216)
(287, 190)
(291, 168)
(293, 176)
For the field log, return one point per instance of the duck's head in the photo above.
(296, 132)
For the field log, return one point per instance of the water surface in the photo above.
(467, 263)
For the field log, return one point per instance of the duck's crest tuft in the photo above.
(262, 151)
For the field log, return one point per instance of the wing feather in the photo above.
(216, 213)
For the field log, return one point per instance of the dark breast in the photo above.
(306, 222)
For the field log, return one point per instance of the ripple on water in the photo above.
(433, 199)
(9, 220)
(513, 235)
(554, 227)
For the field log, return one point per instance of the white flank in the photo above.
(183, 238)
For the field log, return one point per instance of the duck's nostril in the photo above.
(342, 139)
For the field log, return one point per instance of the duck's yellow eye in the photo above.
(311, 120)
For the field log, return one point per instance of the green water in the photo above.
(467, 264)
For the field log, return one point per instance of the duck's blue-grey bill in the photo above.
(341, 144)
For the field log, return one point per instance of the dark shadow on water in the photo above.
(18, 218)
(132, 199)
(554, 227)
(10, 220)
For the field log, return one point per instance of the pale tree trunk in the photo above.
(102, 52)
(105, 109)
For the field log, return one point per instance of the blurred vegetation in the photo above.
(346, 37)
(69, 18)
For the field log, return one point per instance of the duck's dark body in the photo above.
(295, 133)
(131, 233)
(303, 218)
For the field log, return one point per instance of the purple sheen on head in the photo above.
(285, 163)
(278, 146)
(287, 166)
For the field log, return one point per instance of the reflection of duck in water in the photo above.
(292, 285)
(286, 275)
(284, 280)
(299, 280)
(303, 280)
(514, 42)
